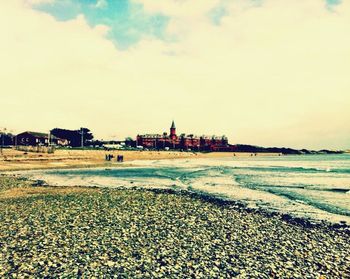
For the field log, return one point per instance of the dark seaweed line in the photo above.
(223, 201)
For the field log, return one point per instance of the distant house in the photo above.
(31, 138)
(59, 141)
(36, 138)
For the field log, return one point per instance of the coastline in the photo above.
(205, 235)
(13, 160)
(153, 232)
(33, 183)
(252, 198)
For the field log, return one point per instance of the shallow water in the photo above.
(315, 186)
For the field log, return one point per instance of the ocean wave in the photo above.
(316, 183)
(311, 201)
(284, 169)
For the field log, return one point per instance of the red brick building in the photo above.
(185, 142)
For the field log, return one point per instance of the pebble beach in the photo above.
(138, 233)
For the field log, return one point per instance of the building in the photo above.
(36, 139)
(185, 142)
(31, 139)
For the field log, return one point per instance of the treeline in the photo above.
(6, 139)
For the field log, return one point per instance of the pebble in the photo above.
(142, 233)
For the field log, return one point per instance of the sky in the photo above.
(262, 72)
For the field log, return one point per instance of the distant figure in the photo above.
(120, 158)
(234, 154)
(109, 157)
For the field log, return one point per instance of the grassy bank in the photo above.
(82, 232)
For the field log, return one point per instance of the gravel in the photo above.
(135, 233)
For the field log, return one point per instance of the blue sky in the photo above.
(127, 21)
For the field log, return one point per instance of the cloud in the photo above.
(101, 4)
(37, 2)
(268, 74)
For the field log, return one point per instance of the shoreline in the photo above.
(252, 199)
(159, 232)
(199, 195)
(310, 214)
(13, 160)
(333, 220)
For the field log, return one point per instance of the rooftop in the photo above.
(36, 134)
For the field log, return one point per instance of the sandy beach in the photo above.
(175, 139)
(89, 232)
(18, 160)
(135, 233)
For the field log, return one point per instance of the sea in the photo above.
(309, 186)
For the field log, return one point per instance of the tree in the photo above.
(87, 136)
(73, 136)
(6, 139)
(130, 142)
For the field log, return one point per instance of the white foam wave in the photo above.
(256, 181)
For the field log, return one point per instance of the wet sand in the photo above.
(19, 160)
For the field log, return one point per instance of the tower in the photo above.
(173, 130)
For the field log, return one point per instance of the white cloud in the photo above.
(101, 4)
(37, 2)
(275, 74)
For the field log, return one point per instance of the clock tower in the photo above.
(173, 130)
